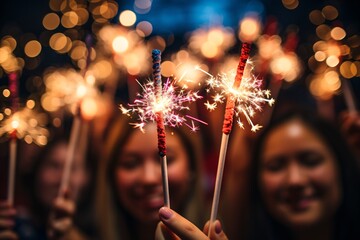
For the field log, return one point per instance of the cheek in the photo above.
(270, 184)
(178, 171)
(124, 179)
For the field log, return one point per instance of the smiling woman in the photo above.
(306, 182)
(129, 186)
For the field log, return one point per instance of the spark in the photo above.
(27, 124)
(248, 98)
(173, 101)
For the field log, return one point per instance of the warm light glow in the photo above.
(69, 19)
(120, 44)
(209, 50)
(102, 69)
(56, 122)
(32, 48)
(167, 68)
(290, 4)
(320, 56)
(9, 41)
(249, 29)
(330, 12)
(15, 124)
(338, 33)
(30, 104)
(323, 32)
(51, 21)
(6, 92)
(316, 17)
(332, 61)
(58, 41)
(89, 108)
(269, 46)
(127, 18)
(348, 69)
(81, 91)
(5, 53)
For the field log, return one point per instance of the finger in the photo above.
(63, 207)
(61, 226)
(8, 235)
(180, 226)
(216, 232)
(163, 233)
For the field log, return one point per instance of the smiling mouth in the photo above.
(151, 201)
(299, 203)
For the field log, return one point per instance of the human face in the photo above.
(138, 174)
(51, 171)
(298, 178)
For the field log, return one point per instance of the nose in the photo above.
(296, 176)
(151, 174)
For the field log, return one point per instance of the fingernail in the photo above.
(165, 213)
(218, 228)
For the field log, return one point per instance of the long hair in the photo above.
(114, 221)
(347, 217)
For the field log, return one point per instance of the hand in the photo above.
(175, 227)
(7, 214)
(61, 217)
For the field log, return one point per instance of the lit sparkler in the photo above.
(243, 96)
(25, 124)
(248, 98)
(162, 104)
(172, 102)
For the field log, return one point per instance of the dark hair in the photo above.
(347, 216)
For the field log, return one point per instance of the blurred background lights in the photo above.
(290, 4)
(51, 21)
(32, 48)
(249, 29)
(6, 93)
(330, 12)
(120, 44)
(127, 18)
(144, 28)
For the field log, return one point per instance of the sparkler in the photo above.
(243, 97)
(20, 124)
(162, 104)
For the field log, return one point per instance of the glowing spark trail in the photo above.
(173, 101)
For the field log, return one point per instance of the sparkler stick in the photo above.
(227, 125)
(75, 131)
(74, 139)
(160, 125)
(13, 86)
(349, 96)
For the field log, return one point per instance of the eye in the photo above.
(275, 164)
(311, 158)
(129, 162)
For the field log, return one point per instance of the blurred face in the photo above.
(138, 174)
(50, 175)
(299, 180)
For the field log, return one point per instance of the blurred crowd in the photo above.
(296, 178)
